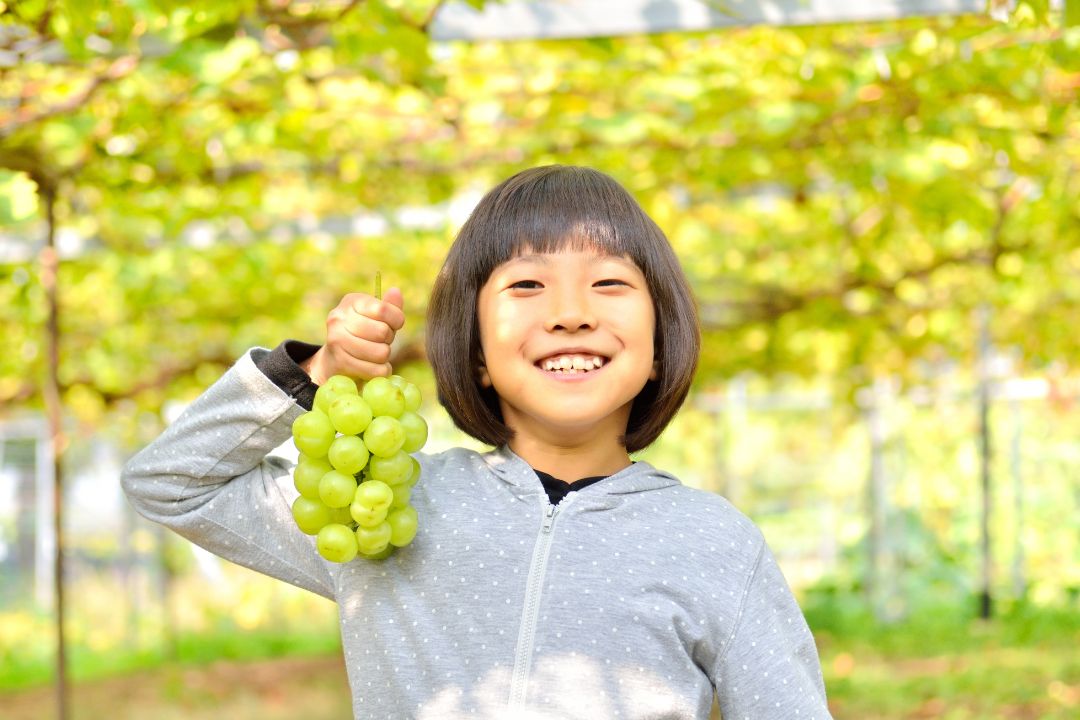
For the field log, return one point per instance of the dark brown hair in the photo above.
(543, 210)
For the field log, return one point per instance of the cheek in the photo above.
(497, 342)
(645, 326)
(500, 324)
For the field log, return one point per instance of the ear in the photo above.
(482, 375)
(655, 370)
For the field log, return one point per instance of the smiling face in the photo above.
(567, 343)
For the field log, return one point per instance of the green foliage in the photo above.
(843, 197)
(1072, 13)
(18, 198)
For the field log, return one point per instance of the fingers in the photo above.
(395, 298)
(365, 328)
(359, 332)
(358, 367)
(388, 310)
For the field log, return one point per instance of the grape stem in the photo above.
(378, 285)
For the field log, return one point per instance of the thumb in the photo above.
(394, 297)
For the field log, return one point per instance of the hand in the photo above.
(358, 336)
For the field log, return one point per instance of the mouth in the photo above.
(572, 363)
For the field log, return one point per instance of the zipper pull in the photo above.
(549, 517)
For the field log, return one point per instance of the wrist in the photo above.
(309, 366)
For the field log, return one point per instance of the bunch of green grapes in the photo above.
(355, 473)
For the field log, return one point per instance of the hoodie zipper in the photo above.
(533, 588)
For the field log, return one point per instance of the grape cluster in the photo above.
(355, 473)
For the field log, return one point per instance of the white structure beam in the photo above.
(529, 19)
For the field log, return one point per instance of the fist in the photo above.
(358, 336)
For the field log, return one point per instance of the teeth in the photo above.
(572, 364)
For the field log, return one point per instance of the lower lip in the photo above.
(567, 377)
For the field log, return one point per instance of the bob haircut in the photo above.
(544, 210)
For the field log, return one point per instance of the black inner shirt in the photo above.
(557, 489)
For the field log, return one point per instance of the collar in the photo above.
(638, 477)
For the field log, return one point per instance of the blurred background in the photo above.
(878, 206)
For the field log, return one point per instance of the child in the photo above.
(561, 331)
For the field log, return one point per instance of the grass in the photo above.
(939, 663)
(18, 672)
(312, 688)
(942, 663)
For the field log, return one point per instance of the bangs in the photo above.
(558, 209)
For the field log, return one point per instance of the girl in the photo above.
(551, 577)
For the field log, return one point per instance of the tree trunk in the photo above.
(50, 266)
(986, 457)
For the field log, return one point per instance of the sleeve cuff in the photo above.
(282, 366)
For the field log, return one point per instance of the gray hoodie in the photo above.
(635, 597)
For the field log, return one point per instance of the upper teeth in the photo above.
(572, 362)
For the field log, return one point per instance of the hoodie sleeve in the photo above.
(208, 478)
(770, 668)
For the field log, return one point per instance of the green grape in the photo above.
(333, 388)
(402, 526)
(308, 473)
(336, 489)
(349, 414)
(342, 516)
(373, 494)
(391, 470)
(313, 432)
(371, 502)
(336, 543)
(371, 540)
(374, 517)
(310, 515)
(383, 397)
(415, 431)
(384, 436)
(412, 397)
(381, 555)
(401, 496)
(348, 454)
(366, 516)
(324, 397)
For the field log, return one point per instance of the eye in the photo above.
(610, 282)
(526, 285)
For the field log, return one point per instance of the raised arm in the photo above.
(208, 476)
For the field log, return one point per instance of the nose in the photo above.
(570, 311)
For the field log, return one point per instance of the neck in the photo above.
(571, 462)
